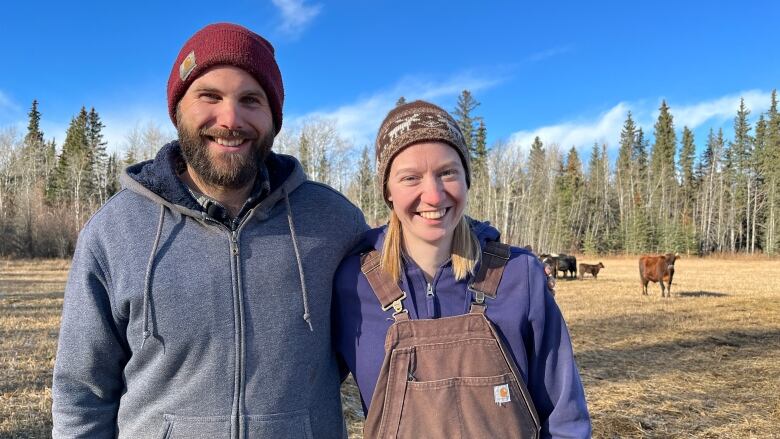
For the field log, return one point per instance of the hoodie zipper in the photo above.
(429, 298)
(239, 300)
(236, 425)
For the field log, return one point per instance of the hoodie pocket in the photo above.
(196, 427)
(295, 424)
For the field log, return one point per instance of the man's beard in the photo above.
(230, 171)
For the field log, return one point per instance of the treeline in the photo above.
(46, 195)
(656, 196)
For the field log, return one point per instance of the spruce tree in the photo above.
(627, 139)
(688, 188)
(366, 186)
(759, 206)
(687, 155)
(536, 158)
(742, 181)
(742, 145)
(112, 174)
(759, 147)
(595, 233)
(304, 153)
(567, 190)
(771, 167)
(72, 179)
(663, 182)
(708, 177)
(480, 152)
(50, 159)
(466, 120)
(625, 179)
(97, 150)
(570, 189)
(640, 227)
(639, 156)
(664, 148)
(323, 168)
(537, 181)
(34, 147)
(34, 134)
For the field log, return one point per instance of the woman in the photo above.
(447, 332)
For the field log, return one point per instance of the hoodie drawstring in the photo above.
(148, 277)
(306, 315)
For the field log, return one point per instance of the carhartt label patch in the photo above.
(501, 394)
(187, 66)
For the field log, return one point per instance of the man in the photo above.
(198, 301)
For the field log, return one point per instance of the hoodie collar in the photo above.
(158, 180)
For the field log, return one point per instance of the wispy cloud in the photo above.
(7, 105)
(549, 53)
(606, 127)
(719, 109)
(296, 15)
(358, 121)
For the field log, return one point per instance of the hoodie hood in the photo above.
(158, 180)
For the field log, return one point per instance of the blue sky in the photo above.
(567, 71)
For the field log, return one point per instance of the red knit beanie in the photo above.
(233, 45)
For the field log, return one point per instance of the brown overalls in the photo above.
(450, 377)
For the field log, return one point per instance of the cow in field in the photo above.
(658, 269)
(561, 262)
(590, 268)
(568, 265)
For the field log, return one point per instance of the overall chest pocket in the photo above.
(461, 389)
(466, 407)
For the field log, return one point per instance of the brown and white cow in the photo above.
(659, 269)
(590, 268)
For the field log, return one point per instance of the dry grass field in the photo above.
(703, 364)
(30, 303)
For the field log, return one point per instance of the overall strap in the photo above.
(495, 256)
(385, 288)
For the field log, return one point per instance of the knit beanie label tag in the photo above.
(187, 66)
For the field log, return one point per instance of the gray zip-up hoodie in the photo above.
(177, 326)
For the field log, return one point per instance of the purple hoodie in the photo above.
(524, 313)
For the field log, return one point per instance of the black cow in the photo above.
(568, 265)
(561, 262)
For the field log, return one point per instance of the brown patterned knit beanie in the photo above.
(232, 45)
(416, 122)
